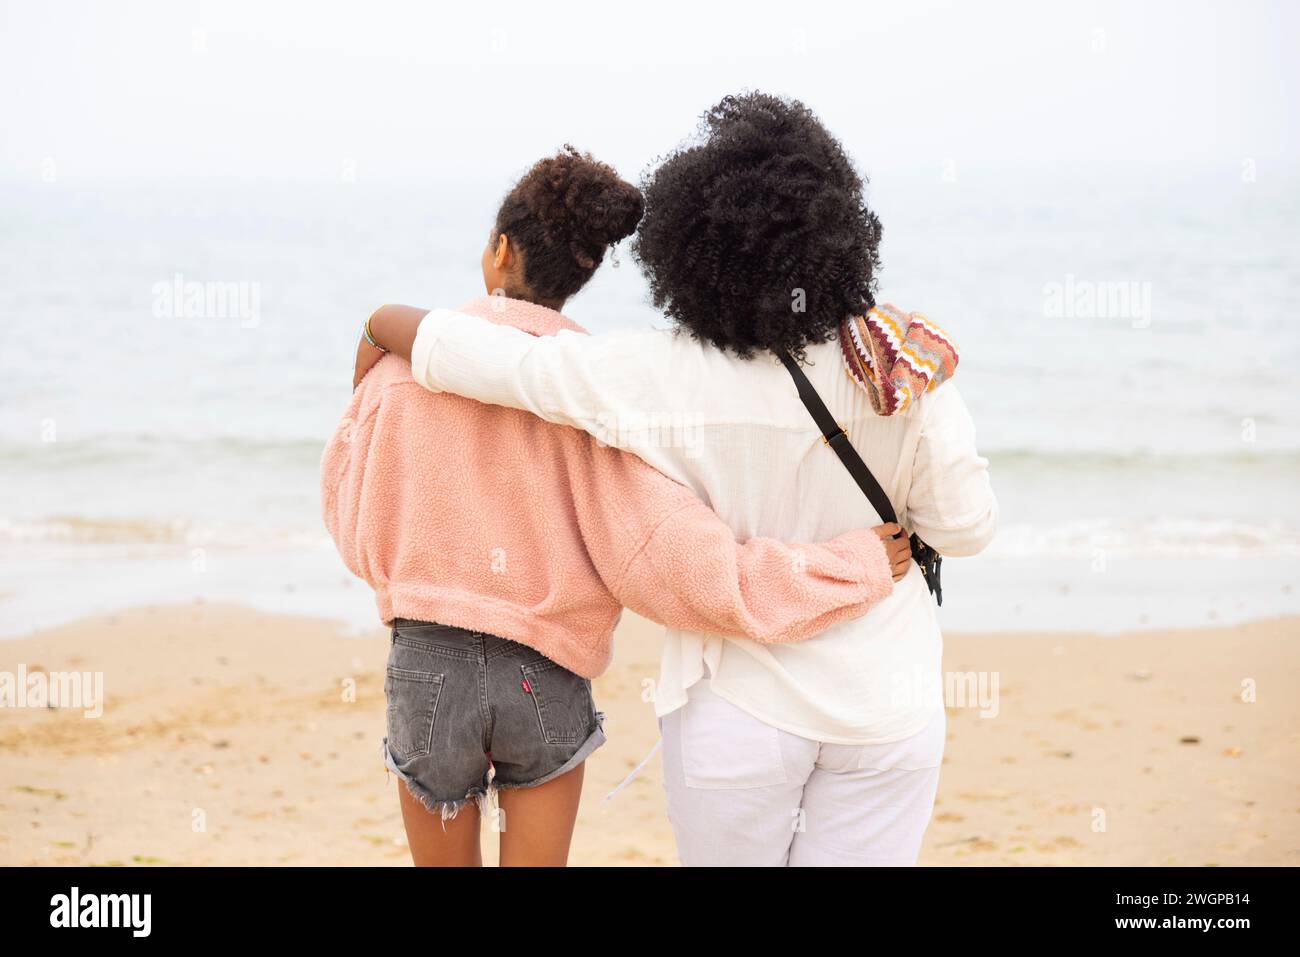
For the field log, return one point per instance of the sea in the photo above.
(176, 353)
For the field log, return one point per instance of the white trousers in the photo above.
(742, 793)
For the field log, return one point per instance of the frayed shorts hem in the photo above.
(447, 808)
(594, 741)
(483, 796)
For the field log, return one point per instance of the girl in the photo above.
(501, 549)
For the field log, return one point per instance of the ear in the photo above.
(504, 255)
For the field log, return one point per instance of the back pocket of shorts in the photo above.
(565, 712)
(412, 707)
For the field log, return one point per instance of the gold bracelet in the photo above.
(370, 336)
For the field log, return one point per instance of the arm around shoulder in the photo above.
(587, 382)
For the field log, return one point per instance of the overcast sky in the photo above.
(298, 90)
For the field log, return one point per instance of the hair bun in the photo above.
(582, 202)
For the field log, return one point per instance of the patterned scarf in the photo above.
(895, 356)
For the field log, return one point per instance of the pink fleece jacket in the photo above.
(490, 519)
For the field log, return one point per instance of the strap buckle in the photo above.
(828, 439)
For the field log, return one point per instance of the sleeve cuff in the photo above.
(423, 349)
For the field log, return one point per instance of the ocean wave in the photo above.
(131, 449)
(1098, 540)
(1111, 459)
(80, 530)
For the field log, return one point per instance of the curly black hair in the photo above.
(563, 214)
(757, 237)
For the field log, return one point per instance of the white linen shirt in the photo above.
(735, 431)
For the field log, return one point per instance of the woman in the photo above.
(501, 549)
(756, 241)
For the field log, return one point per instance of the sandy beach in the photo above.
(235, 737)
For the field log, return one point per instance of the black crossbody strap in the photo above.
(835, 437)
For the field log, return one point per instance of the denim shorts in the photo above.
(469, 713)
